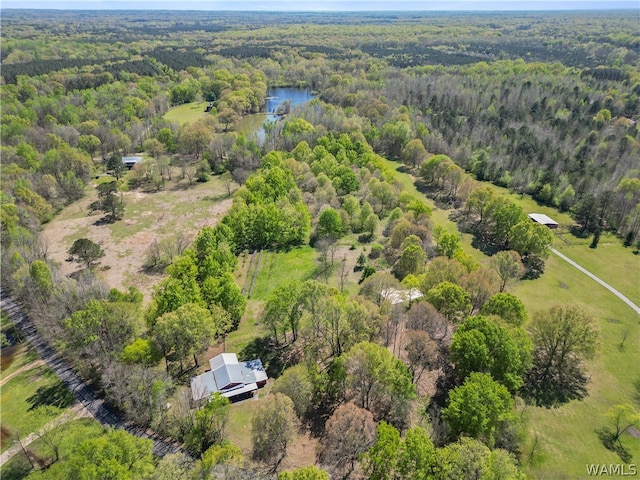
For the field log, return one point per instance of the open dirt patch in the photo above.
(148, 217)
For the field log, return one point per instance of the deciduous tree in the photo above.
(304, 473)
(380, 460)
(296, 384)
(116, 454)
(273, 427)
(184, 332)
(350, 431)
(414, 153)
(508, 266)
(209, 424)
(417, 455)
(379, 382)
(563, 336)
(478, 407)
(422, 352)
(530, 238)
(85, 251)
(469, 458)
(508, 307)
(451, 300)
(480, 345)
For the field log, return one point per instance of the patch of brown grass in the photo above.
(148, 217)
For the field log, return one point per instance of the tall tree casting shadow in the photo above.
(57, 395)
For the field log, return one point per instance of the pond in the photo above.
(277, 99)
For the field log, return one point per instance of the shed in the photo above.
(395, 296)
(129, 162)
(229, 377)
(542, 219)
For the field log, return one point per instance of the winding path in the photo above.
(94, 405)
(600, 281)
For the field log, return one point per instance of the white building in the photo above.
(542, 219)
(229, 377)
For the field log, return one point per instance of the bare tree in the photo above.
(421, 351)
(350, 431)
(424, 316)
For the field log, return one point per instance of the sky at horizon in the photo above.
(325, 5)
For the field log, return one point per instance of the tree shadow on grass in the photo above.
(554, 390)
(609, 441)
(57, 395)
(16, 468)
(274, 358)
(106, 220)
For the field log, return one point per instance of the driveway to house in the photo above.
(600, 281)
(94, 405)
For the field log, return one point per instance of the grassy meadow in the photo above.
(26, 391)
(187, 113)
(566, 435)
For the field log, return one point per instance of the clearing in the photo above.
(176, 211)
(187, 113)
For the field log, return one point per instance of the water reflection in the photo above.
(277, 98)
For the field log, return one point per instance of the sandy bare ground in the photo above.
(148, 217)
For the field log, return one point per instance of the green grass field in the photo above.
(277, 268)
(566, 435)
(20, 354)
(187, 113)
(611, 262)
(71, 434)
(22, 394)
(240, 414)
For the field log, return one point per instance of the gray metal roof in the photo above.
(253, 371)
(228, 376)
(542, 219)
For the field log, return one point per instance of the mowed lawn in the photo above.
(611, 262)
(21, 396)
(187, 113)
(566, 435)
(274, 269)
(278, 268)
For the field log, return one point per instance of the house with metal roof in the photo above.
(229, 377)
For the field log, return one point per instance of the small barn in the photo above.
(229, 377)
(542, 219)
(129, 162)
(395, 296)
